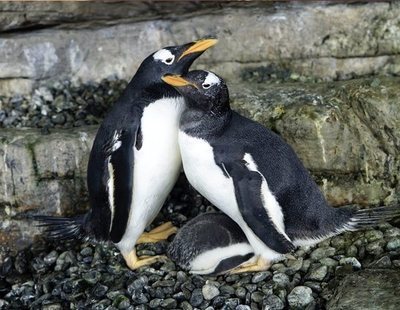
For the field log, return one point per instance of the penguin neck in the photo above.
(204, 124)
(152, 91)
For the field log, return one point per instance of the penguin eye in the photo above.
(206, 85)
(169, 60)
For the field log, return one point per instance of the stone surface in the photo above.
(368, 289)
(257, 42)
(41, 173)
(300, 297)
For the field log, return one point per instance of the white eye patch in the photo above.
(211, 79)
(165, 56)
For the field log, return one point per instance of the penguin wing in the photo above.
(248, 192)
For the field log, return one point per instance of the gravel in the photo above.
(61, 105)
(94, 276)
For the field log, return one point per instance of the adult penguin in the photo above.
(254, 176)
(135, 160)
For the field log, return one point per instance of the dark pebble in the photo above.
(197, 297)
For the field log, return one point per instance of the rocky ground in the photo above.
(87, 276)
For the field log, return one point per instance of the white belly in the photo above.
(208, 179)
(156, 169)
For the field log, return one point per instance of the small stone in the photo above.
(318, 273)
(393, 244)
(168, 303)
(50, 258)
(241, 292)
(329, 262)
(306, 265)
(186, 306)
(392, 232)
(273, 302)
(300, 297)
(320, 253)
(242, 307)
(58, 119)
(315, 286)
(383, 262)
(373, 235)
(375, 248)
(257, 297)
(100, 290)
(260, 276)
(87, 251)
(293, 265)
(197, 297)
(352, 251)
(210, 291)
(92, 277)
(227, 290)
(350, 261)
(155, 303)
(281, 279)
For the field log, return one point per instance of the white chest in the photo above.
(205, 176)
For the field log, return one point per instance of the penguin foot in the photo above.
(159, 233)
(133, 262)
(259, 265)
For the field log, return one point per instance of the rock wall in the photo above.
(88, 41)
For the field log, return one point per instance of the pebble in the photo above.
(281, 279)
(350, 261)
(260, 276)
(210, 291)
(300, 297)
(318, 273)
(273, 302)
(320, 253)
(197, 297)
(393, 244)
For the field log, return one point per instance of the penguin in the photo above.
(251, 174)
(210, 244)
(135, 159)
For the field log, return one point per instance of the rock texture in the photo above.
(88, 41)
(40, 173)
(368, 289)
(345, 132)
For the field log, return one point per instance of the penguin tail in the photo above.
(366, 218)
(63, 228)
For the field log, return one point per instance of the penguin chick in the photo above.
(254, 176)
(135, 160)
(211, 243)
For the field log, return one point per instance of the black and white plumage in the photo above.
(254, 176)
(135, 160)
(211, 243)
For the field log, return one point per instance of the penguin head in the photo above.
(172, 60)
(203, 90)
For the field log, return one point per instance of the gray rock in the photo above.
(197, 297)
(375, 289)
(260, 276)
(383, 262)
(375, 248)
(318, 273)
(273, 302)
(373, 235)
(320, 253)
(210, 291)
(350, 261)
(300, 297)
(329, 262)
(281, 279)
(393, 244)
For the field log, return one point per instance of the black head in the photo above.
(170, 60)
(203, 90)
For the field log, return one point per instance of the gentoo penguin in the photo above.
(254, 176)
(135, 160)
(211, 243)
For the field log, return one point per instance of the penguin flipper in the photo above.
(121, 170)
(248, 187)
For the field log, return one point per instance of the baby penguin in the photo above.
(253, 176)
(210, 244)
